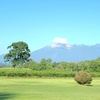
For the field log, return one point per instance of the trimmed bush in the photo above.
(83, 78)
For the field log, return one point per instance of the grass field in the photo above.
(47, 89)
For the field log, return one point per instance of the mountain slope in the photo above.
(2, 58)
(64, 52)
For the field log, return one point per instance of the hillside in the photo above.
(69, 53)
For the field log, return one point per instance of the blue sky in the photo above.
(39, 22)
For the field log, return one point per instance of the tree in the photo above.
(94, 66)
(19, 53)
(45, 64)
(33, 65)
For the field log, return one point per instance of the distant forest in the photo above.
(47, 64)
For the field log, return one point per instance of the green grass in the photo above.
(47, 89)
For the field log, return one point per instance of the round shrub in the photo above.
(82, 78)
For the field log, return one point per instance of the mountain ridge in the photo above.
(61, 52)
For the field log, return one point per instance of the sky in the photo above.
(43, 22)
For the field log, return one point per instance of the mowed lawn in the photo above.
(47, 89)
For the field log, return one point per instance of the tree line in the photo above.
(47, 64)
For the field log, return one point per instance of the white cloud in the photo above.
(59, 40)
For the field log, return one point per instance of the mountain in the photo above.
(2, 58)
(70, 53)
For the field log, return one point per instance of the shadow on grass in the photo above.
(5, 96)
(89, 85)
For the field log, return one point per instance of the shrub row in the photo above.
(31, 73)
(23, 72)
(95, 74)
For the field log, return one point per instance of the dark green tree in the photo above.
(19, 53)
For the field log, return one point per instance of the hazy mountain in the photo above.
(2, 63)
(69, 53)
(2, 58)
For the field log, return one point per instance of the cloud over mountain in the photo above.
(60, 40)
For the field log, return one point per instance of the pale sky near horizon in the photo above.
(42, 22)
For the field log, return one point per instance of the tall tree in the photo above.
(19, 53)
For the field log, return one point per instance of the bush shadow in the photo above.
(5, 96)
(89, 85)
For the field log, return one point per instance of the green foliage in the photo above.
(47, 64)
(82, 78)
(94, 65)
(23, 72)
(18, 54)
(44, 64)
(47, 68)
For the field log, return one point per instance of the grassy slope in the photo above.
(47, 89)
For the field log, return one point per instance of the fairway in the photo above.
(47, 89)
